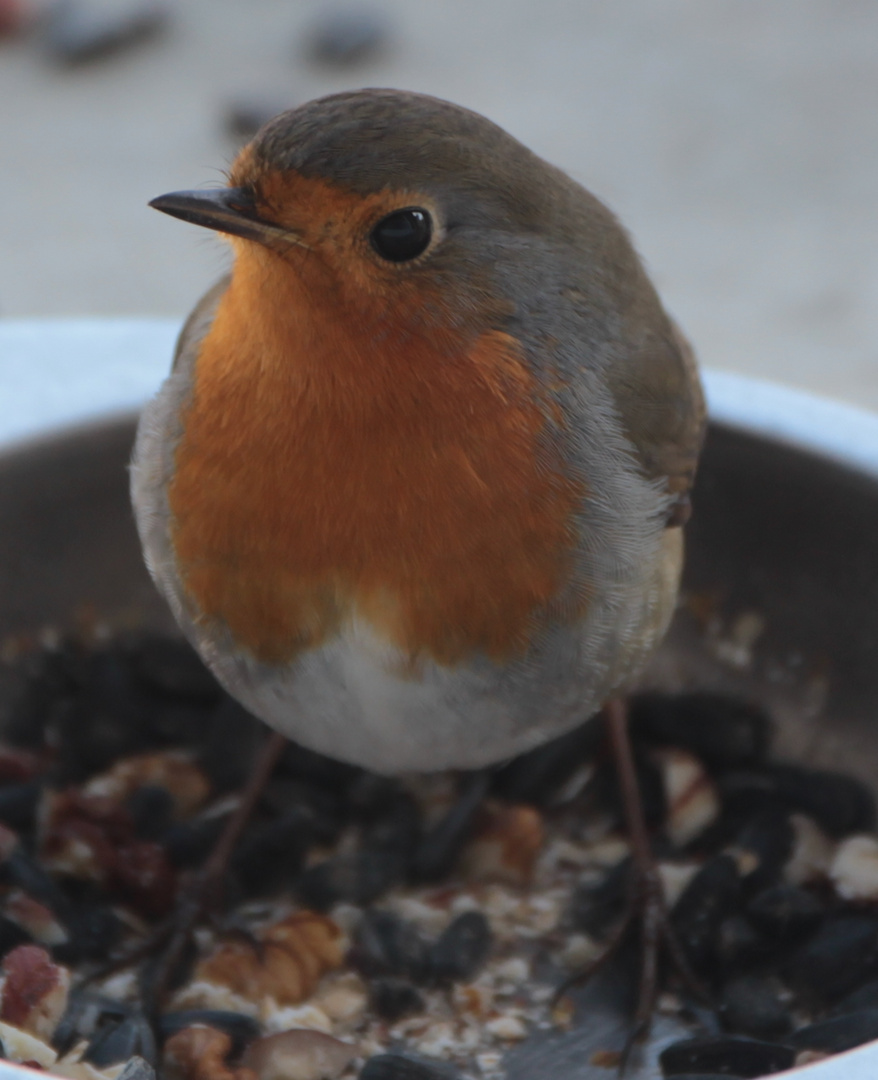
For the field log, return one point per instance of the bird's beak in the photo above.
(228, 210)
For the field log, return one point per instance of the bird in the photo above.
(415, 487)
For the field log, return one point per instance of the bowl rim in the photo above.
(61, 376)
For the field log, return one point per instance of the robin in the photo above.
(415, 486)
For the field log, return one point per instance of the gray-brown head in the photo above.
(383, 187)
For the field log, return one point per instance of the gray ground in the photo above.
(738, 139)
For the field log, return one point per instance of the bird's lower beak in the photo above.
(228, 210)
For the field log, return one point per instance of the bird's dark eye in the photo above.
(402, 235)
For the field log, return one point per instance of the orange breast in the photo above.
(332, 468)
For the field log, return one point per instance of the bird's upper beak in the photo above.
(228, 210)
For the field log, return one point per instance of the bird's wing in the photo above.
(660, 401)
(198, 323)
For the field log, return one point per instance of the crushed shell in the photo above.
(854, 869)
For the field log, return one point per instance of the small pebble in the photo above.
(79, 31)
(348, 36)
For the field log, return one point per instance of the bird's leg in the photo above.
(646, 901)
(165, 947)
(206, 892)
(647, 895)
(210, 881)
(648, 898)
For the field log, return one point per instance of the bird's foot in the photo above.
(647, 921)
(657, 939)
(166, 950)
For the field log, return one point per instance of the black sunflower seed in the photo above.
(462, 948)
(727, 1056)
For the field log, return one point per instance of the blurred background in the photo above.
(737, 140)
